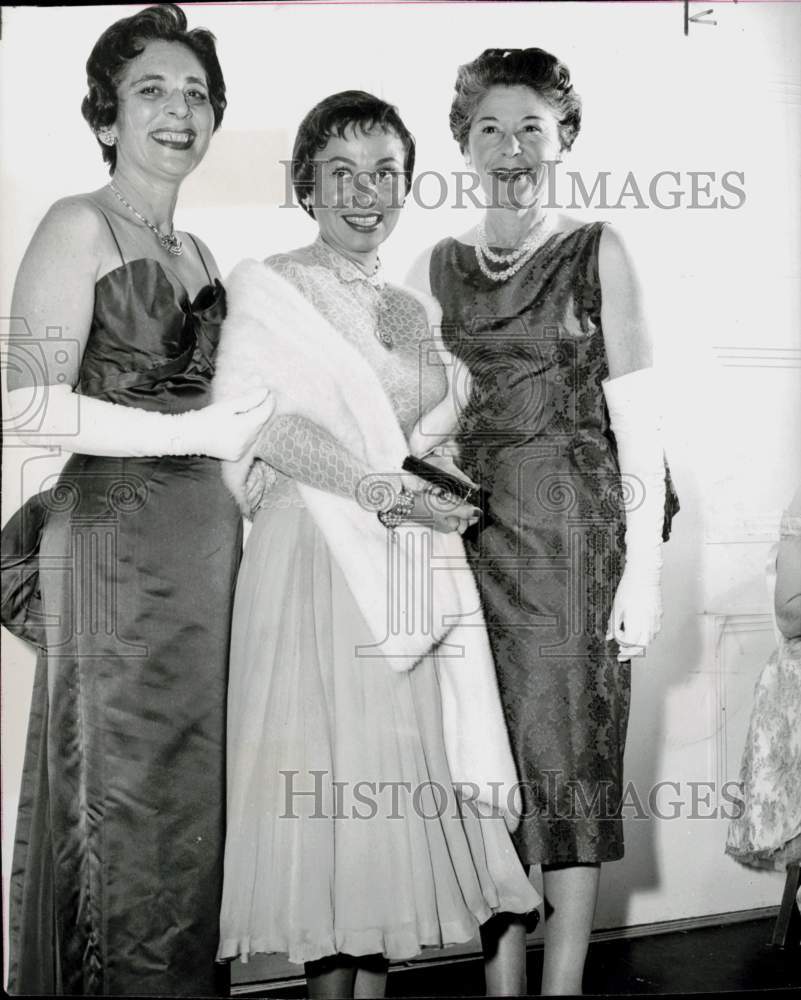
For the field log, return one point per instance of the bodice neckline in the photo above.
(549, 244)
(184, 300)
(346, 270)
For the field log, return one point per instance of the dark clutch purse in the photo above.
(474, 495)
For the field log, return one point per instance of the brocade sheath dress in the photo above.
(549, 557)
(117, 871)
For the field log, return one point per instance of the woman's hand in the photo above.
(636, 612)
(447, 512)
(443, 512)
(433, 507)
(227, 429)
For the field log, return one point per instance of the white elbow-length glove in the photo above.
(635, 416)
(57, 415)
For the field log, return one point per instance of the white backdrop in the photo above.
(722, 289)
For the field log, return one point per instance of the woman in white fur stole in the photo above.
(370, 772)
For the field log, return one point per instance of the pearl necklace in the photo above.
(516, 258)
(169, 241)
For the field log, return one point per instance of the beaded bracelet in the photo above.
(399, 511)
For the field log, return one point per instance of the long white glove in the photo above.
(57, 415)
(635, 416)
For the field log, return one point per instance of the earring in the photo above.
(106, 137)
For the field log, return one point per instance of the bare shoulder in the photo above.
(614, 255)
(55, 285)
(75, 221)
(68, 245)
(616, 268)
(625, 328)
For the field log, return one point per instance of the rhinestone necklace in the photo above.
(169, 241)
(517, 258)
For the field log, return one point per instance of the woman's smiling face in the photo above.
(164, 118)
(514, 132)
(358, 191)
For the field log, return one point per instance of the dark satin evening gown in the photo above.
(536, 434)
(117, 870)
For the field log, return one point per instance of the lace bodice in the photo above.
(389, 328)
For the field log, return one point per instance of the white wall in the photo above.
(723, 289)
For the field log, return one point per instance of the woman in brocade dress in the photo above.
(117, 870)
(545, 314)
(312, 870)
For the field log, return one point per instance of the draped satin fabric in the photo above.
(117, 868)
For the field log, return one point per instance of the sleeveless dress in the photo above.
(766, 833)
(117, 869)
(344, 833)
(548, 557)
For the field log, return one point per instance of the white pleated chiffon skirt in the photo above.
(344, 833)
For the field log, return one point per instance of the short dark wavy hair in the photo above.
(332, 116)
(534, 68)
(124, 41)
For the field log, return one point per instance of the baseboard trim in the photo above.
(685, 924)
(613, 934)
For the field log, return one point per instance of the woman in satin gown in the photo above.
(544, 312)
(312, 723)
(123, 572)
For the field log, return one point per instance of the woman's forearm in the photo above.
(310, 455)
(58, 416)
